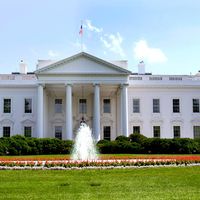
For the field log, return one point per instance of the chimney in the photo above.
(22, 67)
(141, 68)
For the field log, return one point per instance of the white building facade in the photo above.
(52, 101)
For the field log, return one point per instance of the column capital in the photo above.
(124, 85)
(41, 84)
(68, 84)
(96, 84)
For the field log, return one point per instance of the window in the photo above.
(6, 131)
(82, 106)
(176, 106)
(106, 106)
(27, 131)
(136, 105)
(106, 133)
(196, 130)
(28, 105)
(156, 105)
(136, 129)
(7, 105)
(58, 105)
(177, 131)
(156, 131)
(196, 105)
(58, 132)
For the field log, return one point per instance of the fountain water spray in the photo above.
(84, 147)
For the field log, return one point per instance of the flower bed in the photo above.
(109, 163)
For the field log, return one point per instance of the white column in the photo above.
(124, 110)
(40, 111)
(96, 112)
(69, 123)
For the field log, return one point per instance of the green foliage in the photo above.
(137, 143)
(20, 145)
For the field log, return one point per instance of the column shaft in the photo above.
(69, 124)
(40, 112)
(96, 112)
(124, 110)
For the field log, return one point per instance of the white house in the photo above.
(52, 101)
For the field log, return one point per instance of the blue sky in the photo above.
(164, 34)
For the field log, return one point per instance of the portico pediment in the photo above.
(82, 63)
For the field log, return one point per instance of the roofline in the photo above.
(82, 54)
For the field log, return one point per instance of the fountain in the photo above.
(84, 147)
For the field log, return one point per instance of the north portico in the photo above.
(82, 87)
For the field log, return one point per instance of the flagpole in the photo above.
(81, 35)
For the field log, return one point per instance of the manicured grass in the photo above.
(147, 183)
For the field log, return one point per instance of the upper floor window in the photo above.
(136, 105)
(106, 106)
(58, 132)
(6, 131)
(196, 130)
(177, 131)
(156, 105)
(176, 105)
(7, 105)
(27, 131)
(28, 105)
(82, 106)
(58, 105)
(195, 105)
(156, 131)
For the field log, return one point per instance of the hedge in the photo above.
(135, 143)
(20, 145)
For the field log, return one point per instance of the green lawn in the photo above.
(150, 183)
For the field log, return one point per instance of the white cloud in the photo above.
(113, 43)
(142, 51)
(53, 54)
(90, 27)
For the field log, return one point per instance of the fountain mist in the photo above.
(84, 147)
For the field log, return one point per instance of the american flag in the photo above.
(81, 30)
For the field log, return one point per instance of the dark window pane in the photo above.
(196, 130)
(58, 132)
(58, 105)
(106, 106)
(176, 106)
(28, 106)
(106, 132)
(156, 131)
(7, 106)
(177, 131)
(136, 129)
(82, 106)
(136, 105)
(6, 131)
(156, 105)
(196, 105)
(27, 131)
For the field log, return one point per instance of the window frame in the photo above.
(58, 107)
(136, 107)
(28, 111)
(4, 106)
(154, 131)
(29, 134)
(5, 134)
(176, 108)
(82, 106)
(177, 129)
(195, 107)
(156, 107)
(107, 106)
(58, 133)
(136, 128)
(196, 136)
(107, 137)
